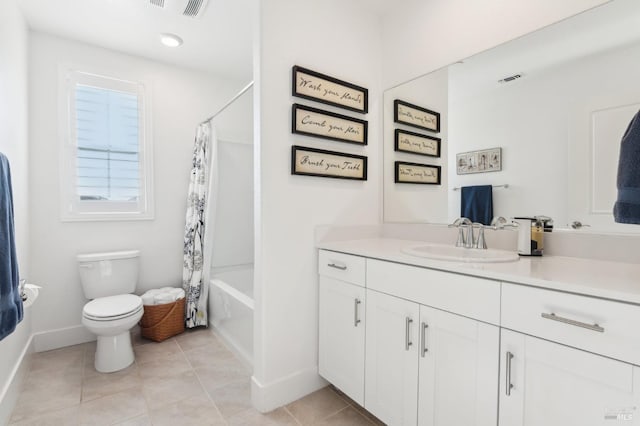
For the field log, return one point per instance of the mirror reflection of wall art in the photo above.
(318, 162)
(424, 174)
(486, 160)
(416, 143)
(318, 87)
(328, 125)
(416, 116)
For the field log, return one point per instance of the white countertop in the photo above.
(604, 279)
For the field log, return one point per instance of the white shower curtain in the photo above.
(200, 202)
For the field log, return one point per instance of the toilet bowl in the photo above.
(108, 279)
(110, 319)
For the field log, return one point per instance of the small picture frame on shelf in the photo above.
(416, 116)
(416, 143)
(310, 121)
(330, 164)
(415, 173)
(312, 85)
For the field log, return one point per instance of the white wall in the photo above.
(180, 100)
(422, 36)
(409, 202)
(13, 143)
(543, 124)
(343, 41)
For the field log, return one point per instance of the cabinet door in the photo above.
(391, 374)
(544, 383)
(459, 368)
(341, 336)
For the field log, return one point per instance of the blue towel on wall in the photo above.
(627, 207)
(476, 203)
(10, 300)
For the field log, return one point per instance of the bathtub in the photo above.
(231, 308)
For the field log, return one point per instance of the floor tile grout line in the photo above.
(292, 416)
(202, 384)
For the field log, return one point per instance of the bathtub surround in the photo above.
(14, 144)
(231, 285)
(198, 232)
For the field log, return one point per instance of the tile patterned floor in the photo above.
(192, 379)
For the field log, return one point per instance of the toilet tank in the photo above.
(108, 274)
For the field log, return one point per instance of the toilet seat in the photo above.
(112, 308)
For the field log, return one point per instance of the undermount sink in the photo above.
(461, 254)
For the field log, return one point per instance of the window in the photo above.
(106, 166)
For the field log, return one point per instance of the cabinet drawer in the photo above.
(472, 297)
(342, 266)
(600, 326)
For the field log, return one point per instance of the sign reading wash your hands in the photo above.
(319, 87)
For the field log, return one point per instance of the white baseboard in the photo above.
(61, 337)
(268, 397)
(11, 389)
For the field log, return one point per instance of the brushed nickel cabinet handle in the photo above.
(508, 384)
(341, 267)
(554, 317)
(423, 347)
(407, 338)
(356, 318)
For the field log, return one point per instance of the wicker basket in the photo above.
(159, 322)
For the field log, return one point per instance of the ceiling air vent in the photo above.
(188, 8)
(510, 78)
(193, 8)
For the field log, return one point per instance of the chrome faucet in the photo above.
(461, 223)
(481, 243)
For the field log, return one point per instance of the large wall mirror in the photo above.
(556, 102)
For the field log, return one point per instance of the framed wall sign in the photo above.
(318, 87)
(424, 174)
(328, 125)
(318, 162)
(415, 143)
(416, 116)
(486, 160)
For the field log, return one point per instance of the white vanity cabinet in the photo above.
(391, 370)
(423, 364)
(342, 322)
(545, 383)
(461, 348)
(458, 370)
(556, 374)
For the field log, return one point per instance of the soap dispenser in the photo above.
(530, 236)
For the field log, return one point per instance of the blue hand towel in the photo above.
(627, 207)
(10, 300)
(477, 203)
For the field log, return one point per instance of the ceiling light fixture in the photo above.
(170, 40)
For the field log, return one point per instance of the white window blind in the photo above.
(107, 175)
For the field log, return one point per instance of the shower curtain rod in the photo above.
(228, 104)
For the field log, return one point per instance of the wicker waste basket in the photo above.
(159, 322)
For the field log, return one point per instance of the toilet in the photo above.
(108, 279)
